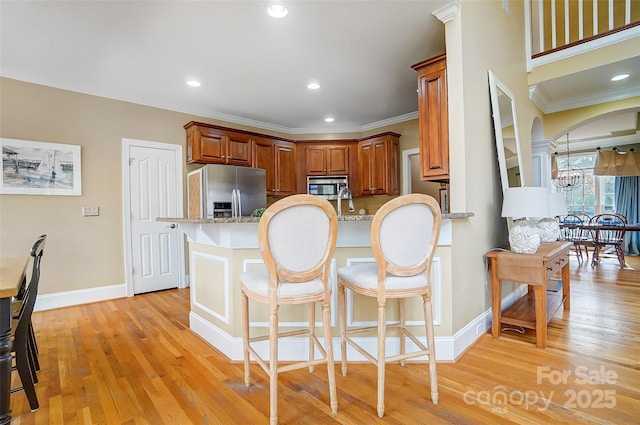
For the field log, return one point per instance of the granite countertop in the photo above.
(365, 217)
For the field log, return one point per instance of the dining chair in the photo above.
(297, 237)
(22, 331)
(576, 235)
(608, 237)
(404, 234)
(20, 297)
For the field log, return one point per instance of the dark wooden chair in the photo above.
(572, 234)
(24, 349)
(608, 237)
(17, 305)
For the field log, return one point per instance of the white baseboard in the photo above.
(448, 349)
(81, 296)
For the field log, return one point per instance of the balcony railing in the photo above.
(561, 28)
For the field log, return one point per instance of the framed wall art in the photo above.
(40, 168)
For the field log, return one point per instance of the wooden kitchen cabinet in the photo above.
(433, 118)
(208, 144)
(378, 163)
(327, 160)
(278, 158)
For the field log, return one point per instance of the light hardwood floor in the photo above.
(135, 361)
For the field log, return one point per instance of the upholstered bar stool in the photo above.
(404, 234)
(297, 237)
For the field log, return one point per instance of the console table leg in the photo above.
(541, 315)
(496, 301)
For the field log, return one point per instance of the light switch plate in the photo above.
(90, 211)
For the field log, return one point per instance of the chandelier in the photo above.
(568, 177)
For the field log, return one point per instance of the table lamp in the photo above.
(518, 204)
(548, 227)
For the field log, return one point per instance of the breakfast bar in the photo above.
(221, 249)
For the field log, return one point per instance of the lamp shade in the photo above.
(557, 204)
(526, 202)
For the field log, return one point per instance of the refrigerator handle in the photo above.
(239, 203)
(233, 203)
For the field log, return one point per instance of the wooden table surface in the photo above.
(11, 272)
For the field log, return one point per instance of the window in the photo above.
(595, 195)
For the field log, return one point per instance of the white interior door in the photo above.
(154, 190)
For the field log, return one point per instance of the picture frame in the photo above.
(444, 199)
(40, 168)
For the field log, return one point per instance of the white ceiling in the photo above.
(254, 69)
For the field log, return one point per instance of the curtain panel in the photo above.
(615, 163)
(627, 190)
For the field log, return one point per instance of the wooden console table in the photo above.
(534, 310)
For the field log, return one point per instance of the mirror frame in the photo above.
(494, 85)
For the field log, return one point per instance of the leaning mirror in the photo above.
(505, 126)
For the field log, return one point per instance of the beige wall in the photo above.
(88, 252)
(81, 252)
(480, 37)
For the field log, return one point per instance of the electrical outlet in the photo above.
(90, 211)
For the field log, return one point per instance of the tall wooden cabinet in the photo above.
(378, 163)
(278, 158)
(433, 118)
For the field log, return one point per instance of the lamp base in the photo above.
(549, 229)
(524, 237)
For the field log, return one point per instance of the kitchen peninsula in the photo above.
(221, 249)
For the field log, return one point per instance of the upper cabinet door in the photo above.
(365, 161)
(316, 160)
(433, 118)
(238, 149)
(378, 165)
(205, 146)
(285, 168)
(264, 157)
(337, 160)
(327, 160)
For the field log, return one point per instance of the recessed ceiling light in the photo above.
(313, 86)
(194, 83)
(329, 119)
(277, 10)
(620, 77)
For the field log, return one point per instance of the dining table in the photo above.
(12, 276)
(597, 228)
(588, 226)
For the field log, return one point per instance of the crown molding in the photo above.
(590, 144)
(448, 12)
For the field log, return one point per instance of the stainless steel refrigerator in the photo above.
(231, 191)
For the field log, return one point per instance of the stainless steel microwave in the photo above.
(326, 186)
